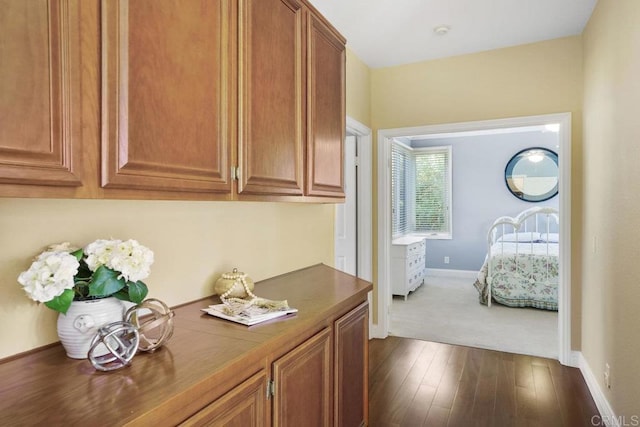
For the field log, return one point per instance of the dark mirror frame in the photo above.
(508, 172)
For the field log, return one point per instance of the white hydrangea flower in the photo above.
(99, 253)
(129, 258)
(49, 275)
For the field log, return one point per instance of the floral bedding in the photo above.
(524, 275)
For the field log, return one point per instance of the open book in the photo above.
(250, 315)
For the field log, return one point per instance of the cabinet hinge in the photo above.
(271, 389)
(356, 161)
(235, 173)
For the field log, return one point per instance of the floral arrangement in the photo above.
(63, 273)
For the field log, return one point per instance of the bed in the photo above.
(522, 263)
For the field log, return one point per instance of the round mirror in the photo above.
(532, 174)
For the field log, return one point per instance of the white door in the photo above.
(346, 225)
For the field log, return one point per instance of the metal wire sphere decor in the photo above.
(121, 339)
(154, 322)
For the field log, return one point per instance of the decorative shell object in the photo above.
(234, 285)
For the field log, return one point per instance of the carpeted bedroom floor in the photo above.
(446, 310)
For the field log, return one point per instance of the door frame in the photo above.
(565, 356)
(345, 226)
(364, 176)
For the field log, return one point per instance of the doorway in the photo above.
(353, 226)
(384, 215)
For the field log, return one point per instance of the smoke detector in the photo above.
(441, 30)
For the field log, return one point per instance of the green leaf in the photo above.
(137, 291)
(122, 294)
(62, 302)
(78, 254)
(84, 273)
(105, 282)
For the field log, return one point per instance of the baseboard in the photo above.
(574, 359)
(461, 274)
(375, 331)
(607, 416)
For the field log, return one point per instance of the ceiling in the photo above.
(385, 33)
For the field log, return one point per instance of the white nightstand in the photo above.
(408, 264)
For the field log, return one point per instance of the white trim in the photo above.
(364, 203)
(575, 359)
(458, 274)
(384, 225)
(384, 233)
(564, 291)
(357, 128)
(365, 185)
(606, 412)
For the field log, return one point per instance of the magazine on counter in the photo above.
(250, 315)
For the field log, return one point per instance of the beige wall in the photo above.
(539, 78)
(531, 79)
(193, 242)
(611, 206)
(358, 89)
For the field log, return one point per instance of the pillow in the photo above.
(550, 237)
(525, 237)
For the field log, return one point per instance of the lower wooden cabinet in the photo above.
(244, 406)
(321, 382)
(302, 384)
(351, 341)
(306, 370)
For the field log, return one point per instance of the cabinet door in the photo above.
(271, 96)
(351, 368)
(244, 406)
(167, 94)
(326, 111)
(39, 92)
(302, 381)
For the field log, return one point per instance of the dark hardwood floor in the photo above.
(421, 383)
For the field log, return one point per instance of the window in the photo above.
(433, 191)
(421, 191)
(400, 170)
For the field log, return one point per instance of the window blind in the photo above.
(432, 190)
(400, 167)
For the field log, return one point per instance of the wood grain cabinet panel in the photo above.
(351, 345)
(39, 92)
(303, 389)
(271, 96)
(326, 111)
(167, 94)
(243, 406)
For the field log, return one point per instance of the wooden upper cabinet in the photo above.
(326, 110)
(167, 94)
(271, 97)
(39, 92)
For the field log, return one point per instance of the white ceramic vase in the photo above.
(77, 328)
